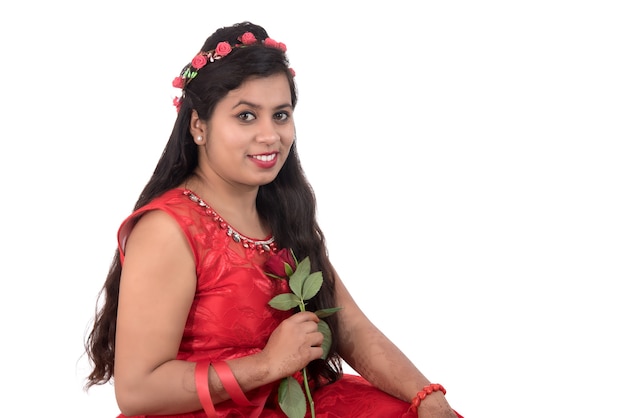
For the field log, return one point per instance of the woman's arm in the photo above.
(157, 289)
(371, 354)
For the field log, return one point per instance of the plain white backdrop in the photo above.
(468, 160)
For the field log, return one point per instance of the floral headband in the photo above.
(221, 50)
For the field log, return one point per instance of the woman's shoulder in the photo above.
(173, 207)
(170, 197)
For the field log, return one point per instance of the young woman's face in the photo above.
(251, 132)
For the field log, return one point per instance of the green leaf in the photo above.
(284, 301)
(312, 284)
(288, 269)
(291, 398)
(323, 313)
(293, 255)
(296, 280)
(275, 276)
(323, 327)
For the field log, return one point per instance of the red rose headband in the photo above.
(221, 50)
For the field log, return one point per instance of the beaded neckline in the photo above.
(262, 246)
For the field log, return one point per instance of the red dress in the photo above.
(230, 316)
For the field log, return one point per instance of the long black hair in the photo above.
(288, 203)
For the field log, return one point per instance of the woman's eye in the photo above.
(246, 116)
(281, 116)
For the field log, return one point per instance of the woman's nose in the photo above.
(267, 132)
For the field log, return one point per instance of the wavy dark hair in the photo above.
(288, 203)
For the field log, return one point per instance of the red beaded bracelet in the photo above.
(428, 389)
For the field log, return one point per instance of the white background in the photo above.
(468, 159)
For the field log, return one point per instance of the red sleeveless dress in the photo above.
(230, 316)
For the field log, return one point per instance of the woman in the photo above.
(186, 328)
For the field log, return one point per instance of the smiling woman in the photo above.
(187, 327)
(248, 137)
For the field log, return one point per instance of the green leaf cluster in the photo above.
(304, 285)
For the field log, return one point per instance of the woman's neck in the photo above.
(236, 205)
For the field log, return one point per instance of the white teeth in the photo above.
(269, 157)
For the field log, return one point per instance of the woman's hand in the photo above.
(293, 344)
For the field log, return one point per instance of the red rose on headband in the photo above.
(270, 42)
(275, 265)
(274, 44)
(178, 82)
(248, 38)
(198, 61)
(222, 49)
(177, 102)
